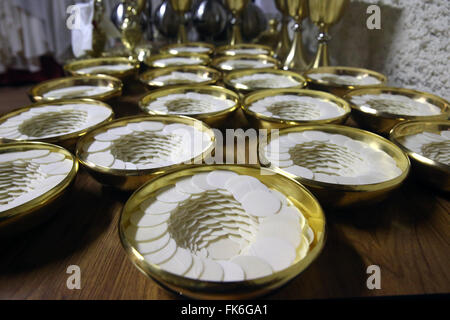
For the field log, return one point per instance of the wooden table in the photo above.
(407, 236)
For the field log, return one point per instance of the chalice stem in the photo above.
(236, 35)
(284, 44)
(182, 34)
(322, 58)
(295, 59)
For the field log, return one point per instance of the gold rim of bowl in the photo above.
(440, 172)
(172, 48)
(107, 171)
(341, 70)
(73, 68)
(275, 123)
(39, 202)
(36, 93)
(148, 76)
(211, 90)
(151, 61)
(297, 193)
(60, 139)
(216, 63)
(246, 72)
(352, 194)
(229, 50)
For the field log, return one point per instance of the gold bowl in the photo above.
(75, 68)
(217, 62)
(65, 140)
(432, 172)
(37, 93)
(244, 89)
(342, 89)
(206, 48)
(213, 119)
(339, 195)
(383, 122)
(32, 213)
(294, 191)
(260, 121)
(154, 61)
(244, 48)
(148, 78)
(130, 180)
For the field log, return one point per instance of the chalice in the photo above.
(236, 7)
(284, 43)
(131, 32)
(181, 7)
(295, 60)
(324, 14)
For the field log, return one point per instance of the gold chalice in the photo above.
(236, 7)
(295, 60)
(325, 13)
(284, 42)
(181, 7)
(131, 32)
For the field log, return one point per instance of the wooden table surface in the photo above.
(407, 236)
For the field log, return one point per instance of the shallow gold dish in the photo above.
(130, 180)
(432, 172)
(213, 119)
(37, 93)
(383, 122)
(232, 50)
(293, 190)
(32, 213)
(342, 89)
(245, 89)
(260, 121)
(338, 195)
(154, 61)
(75, 68)
(67, 140)
(149, 78)
(206, 48)
(217, 62)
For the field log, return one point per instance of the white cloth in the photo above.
(82, 32)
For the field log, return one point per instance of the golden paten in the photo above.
(30, 214)
(217, 62)
(432, 172)
(73, 68)
(213, 119)
(149, 78)
(175, 48)
(130, 180)
(37, 92)
(260, 121)
(293, 190)
(152, 61)
(69, 140)
(336, 195)
(383, 122)
(232, 50)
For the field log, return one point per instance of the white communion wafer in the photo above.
(212, 271)
(254, 267)
(197, 268)
(200, 181)
(171, 195)
(104, 159)
(145, 234)
(279, 253)
(162, 255)
(261, 203)
(179, 263)
(218, 178)
(232, 271)
(223, 249)
(145, 247)
(140, 219)
(282, 228)
(152, 206)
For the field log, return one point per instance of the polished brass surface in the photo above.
(131, 31)
(383, 122)
(73, 68)
(173, 48)
(181, 7)
(296, 58)
(284, 43)
(130, 180)
(213, 119)
(260, 121)
(32, 213)
(335, 195)
(148, 78)
(341, 89)
(152, 60)
(230, 50)
(432, 172)
(236, 7)
(325, 13)
(69, 140)
(36, 93)
(198, 289)
(216, 63)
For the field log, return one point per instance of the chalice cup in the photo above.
(324, 14)
(284, 43)
(181, 7)
(296, 60)
(236, 7)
